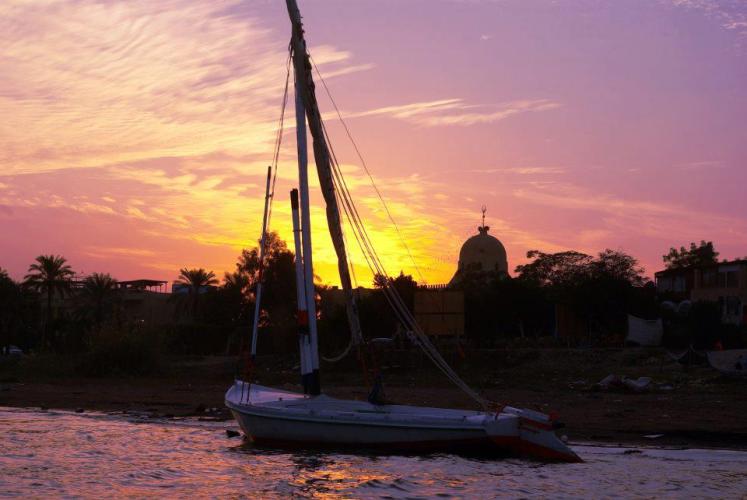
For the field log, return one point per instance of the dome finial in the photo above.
(483, 229)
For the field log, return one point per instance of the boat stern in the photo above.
(529, 434)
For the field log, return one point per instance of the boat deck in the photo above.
(283, 418)
(290, 403)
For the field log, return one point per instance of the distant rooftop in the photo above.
(141, 284)
(699, 266)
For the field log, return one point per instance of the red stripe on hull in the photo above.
(526, 422)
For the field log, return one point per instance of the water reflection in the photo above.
(95, 455)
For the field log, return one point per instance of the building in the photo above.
(722, 282)
(335, 296)
(139, 301)
(481, 253)
(439, 309)
(675, 284)
(146, 301)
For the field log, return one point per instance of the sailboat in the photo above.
(311, 419)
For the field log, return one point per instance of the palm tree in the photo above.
(236, 294)
(195, 280)
(236, 281)
(97, 294)
(49, 274)
(9, 293)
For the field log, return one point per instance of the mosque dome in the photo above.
(481, 253)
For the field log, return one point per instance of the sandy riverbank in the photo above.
(693, 407)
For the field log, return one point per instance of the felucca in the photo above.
(281, 418)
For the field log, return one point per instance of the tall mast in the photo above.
(314, 385)
(305, 87)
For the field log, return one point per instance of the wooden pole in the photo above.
(305, 84)
(262, 241)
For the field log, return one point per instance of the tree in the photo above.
(19, 314)
(602, 289)
(50, 274)
(568, 269)
(278, 305)
(278, 277)
(97, 295)
(232, 302)
(195, 280)
(694, 256)
(377, 316)
(615, 265)
(404, 284)
(9, 298)
(554, 269)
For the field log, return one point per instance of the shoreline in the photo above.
(694, 408)
(590, 431)
(632, 445)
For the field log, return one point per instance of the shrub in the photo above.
(114, 352)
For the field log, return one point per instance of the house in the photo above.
(146, 301)
(675, 284)
(722, 282)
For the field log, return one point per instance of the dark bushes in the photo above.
(114, 352)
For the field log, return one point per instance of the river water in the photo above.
(57, 453)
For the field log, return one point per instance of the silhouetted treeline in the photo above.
(601, 290)
(90, 321)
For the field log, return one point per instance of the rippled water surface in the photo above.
(94, 455)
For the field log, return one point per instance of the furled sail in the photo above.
(302, 68)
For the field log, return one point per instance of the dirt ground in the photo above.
(684, 406)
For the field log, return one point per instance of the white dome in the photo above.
(482, 253)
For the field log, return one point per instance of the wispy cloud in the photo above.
(103, 252)
(528, 170)
(86, 83)
(731, 15)
(456, 112)
(652, 218)
(702, 165)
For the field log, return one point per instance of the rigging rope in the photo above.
(352, 341)
(270, 197)
(365, 168)
(374, 262)
(279, 139)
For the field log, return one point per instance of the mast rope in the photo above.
(279, 138)
(365, 168)
(270, 197)
(376, 266)
(351, 342)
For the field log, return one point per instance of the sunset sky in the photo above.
(135, 135)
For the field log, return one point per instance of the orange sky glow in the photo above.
(135, 135)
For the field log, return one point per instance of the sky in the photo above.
(135, 135)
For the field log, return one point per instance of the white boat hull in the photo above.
(280, 418)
